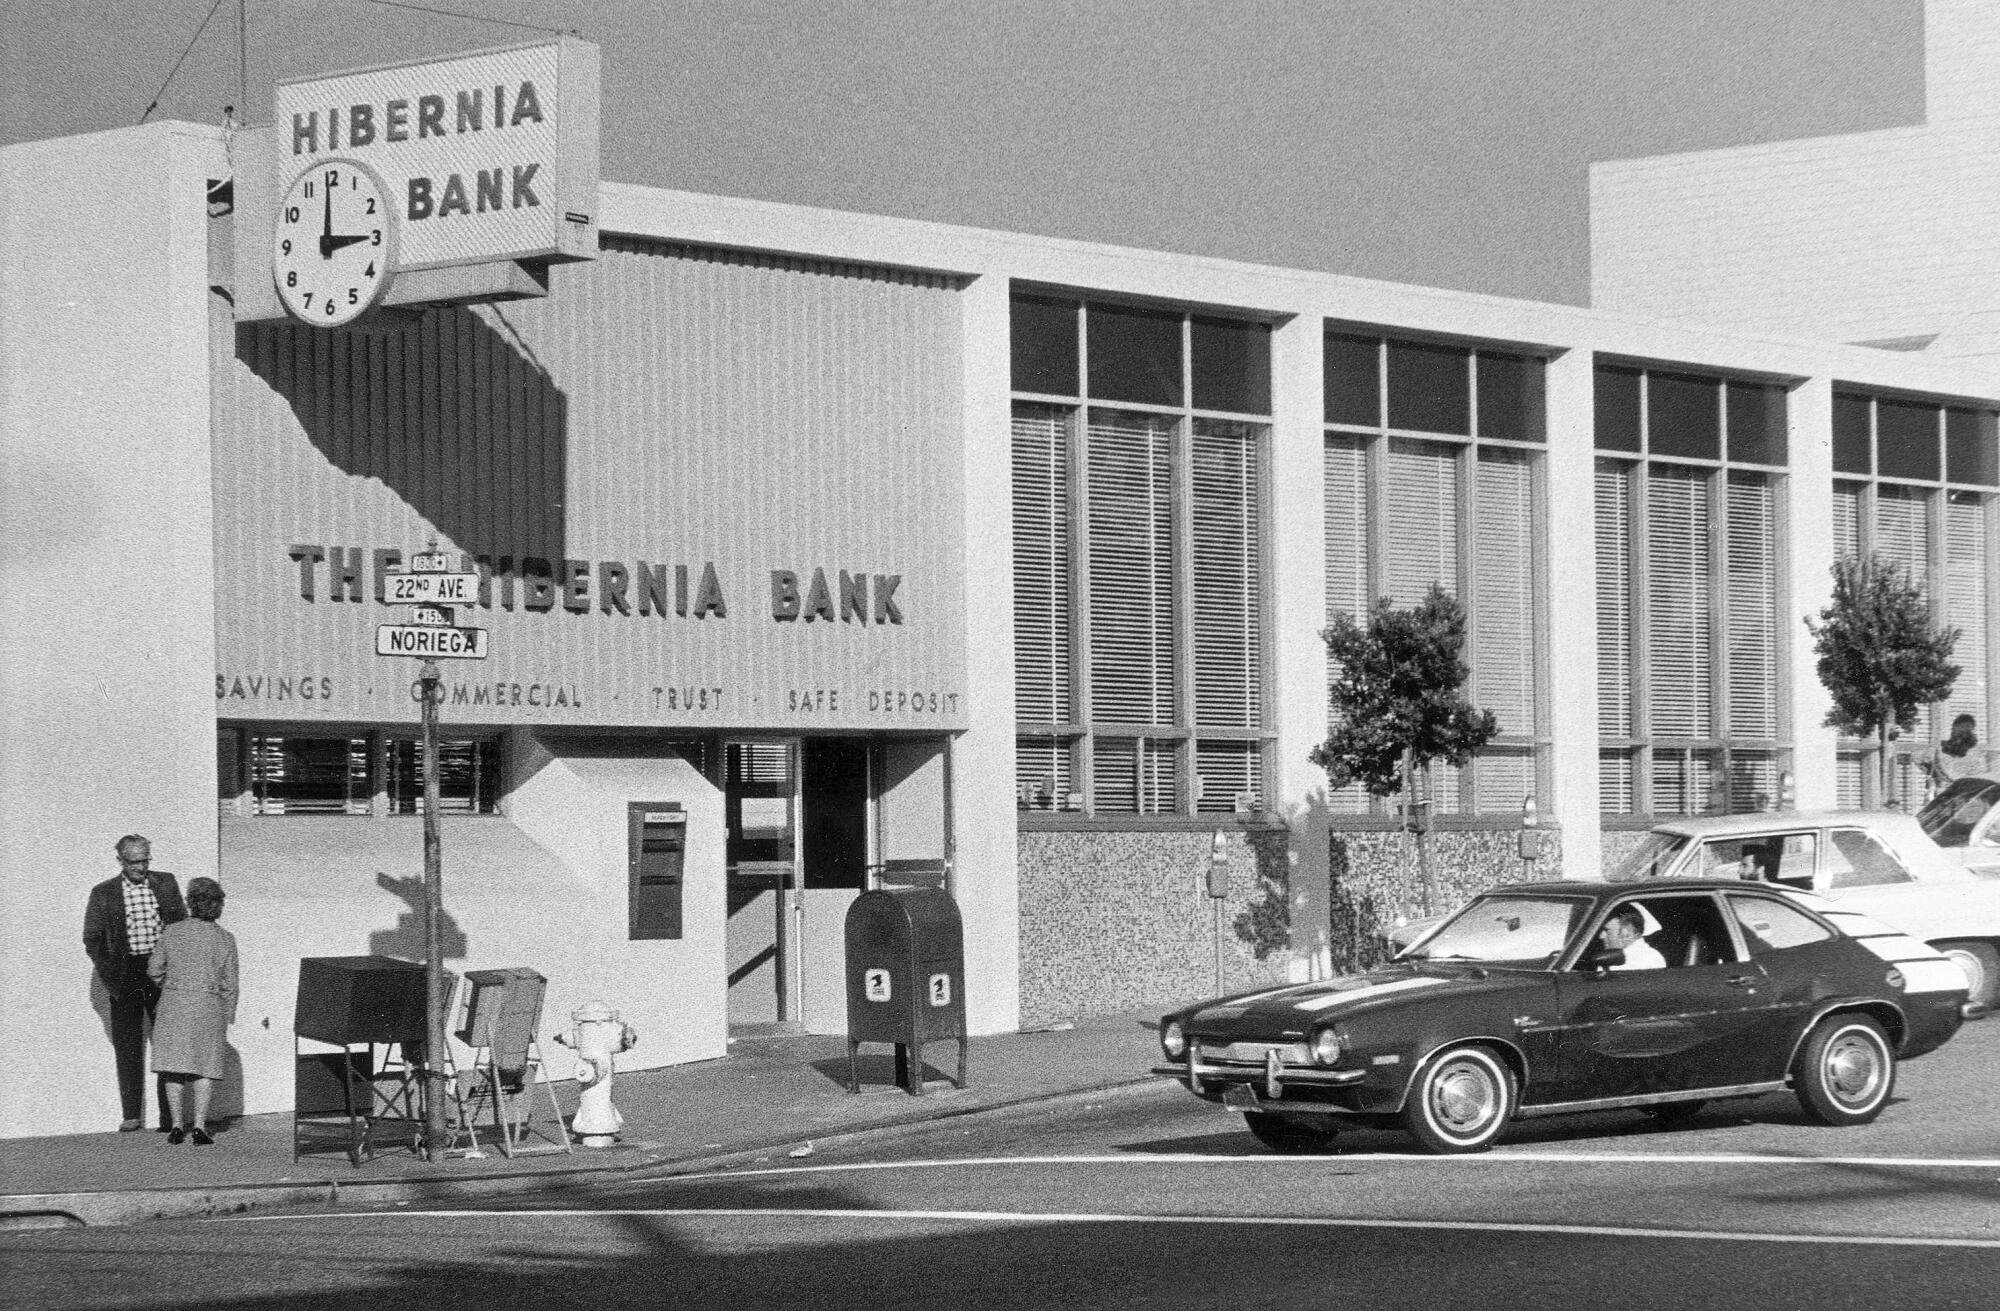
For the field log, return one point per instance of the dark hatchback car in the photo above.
(1519, 1005)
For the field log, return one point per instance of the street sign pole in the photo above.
(434, 999)
(436, 582)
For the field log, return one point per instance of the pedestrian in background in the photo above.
(1958, 756)
(121, 922)
(195, 966)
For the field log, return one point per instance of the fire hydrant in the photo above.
(597, 1035)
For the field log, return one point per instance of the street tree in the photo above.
(1399, 705)
(1880, 656)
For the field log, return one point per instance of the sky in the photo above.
(1439, 142)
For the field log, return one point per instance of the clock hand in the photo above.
(326, 246)
(332, 244)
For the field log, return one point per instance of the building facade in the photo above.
(884, 550)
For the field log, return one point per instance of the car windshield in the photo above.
(1505, 929)
(1650, 859)
(1952, 814)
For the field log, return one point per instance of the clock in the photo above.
(335, 246)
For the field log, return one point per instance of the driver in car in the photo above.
(1624, 931)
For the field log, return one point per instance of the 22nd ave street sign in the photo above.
(430, 643)
(432, 589)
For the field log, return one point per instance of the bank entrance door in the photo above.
(799, 846)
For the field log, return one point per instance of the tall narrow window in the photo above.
(1430, 476)
(1918, 483)
(1689, 663)
(1140, 591)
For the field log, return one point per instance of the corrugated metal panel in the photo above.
(684, 407)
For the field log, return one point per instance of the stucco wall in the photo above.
(108, 647)
(1114, 922)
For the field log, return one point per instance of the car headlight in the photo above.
(1173, 1040)
(1325, 1047)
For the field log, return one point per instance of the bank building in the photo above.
(879, 552)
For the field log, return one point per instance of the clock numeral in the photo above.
(291, 277)
(309, 300)
(375, 237)
(332, 180)
(371, 271)
(309, 191)
(291, 213)
(371, 204)
(286, 245)
(353, 298)
(329, 307)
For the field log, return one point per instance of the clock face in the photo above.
(336, 243)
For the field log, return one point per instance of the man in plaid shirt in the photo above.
(121, 923)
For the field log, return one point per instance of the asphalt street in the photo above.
(1152, 1198)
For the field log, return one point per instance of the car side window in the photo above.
(1859, 860)
(1683, 930)
(1777, 858)
(1773, 926)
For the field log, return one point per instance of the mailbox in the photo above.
(656, 848)
(503, 1008)
(905, 978)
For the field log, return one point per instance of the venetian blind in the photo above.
(1503, 574)
(1966, 546)
(1677, 587)
(1614, 600)
(1846, 519)
(1228, 575)
(1344, 485)
(1130, 469)
(1752, 606)
(1902, 535)
(1042, 601)
(1422, 519)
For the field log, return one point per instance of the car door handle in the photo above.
(1743, 980)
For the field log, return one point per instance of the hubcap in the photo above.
(1853, 1070)
(1464, 1097)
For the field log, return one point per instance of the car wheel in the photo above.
(1290, 1136)
(1846, 1071)
(1982, 969)
(1460, 1101)
(1672, 1115)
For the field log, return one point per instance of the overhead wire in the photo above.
(182, 60)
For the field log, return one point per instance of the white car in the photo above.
(1880, 863)
(1964, 819)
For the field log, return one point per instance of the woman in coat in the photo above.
(195, 965)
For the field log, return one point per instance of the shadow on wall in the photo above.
(454, 414)
(1264, 924)
(406, 940)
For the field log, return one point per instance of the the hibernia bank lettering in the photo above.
(640, 588)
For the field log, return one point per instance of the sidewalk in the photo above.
(771, 1096)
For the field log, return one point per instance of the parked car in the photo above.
(1880, 863)
(1516, 1006)
(1964, 819)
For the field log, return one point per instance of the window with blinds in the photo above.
(1690, 690)
(1430, 472)
(1140, 591)
(1918, 483)
(264, 773)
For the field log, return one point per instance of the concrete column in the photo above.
(1297, 562)
(985, 874)
(1568, 538)
(1806, 588)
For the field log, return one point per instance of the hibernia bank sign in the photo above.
(486, 165)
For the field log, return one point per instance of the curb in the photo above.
(23, 1211)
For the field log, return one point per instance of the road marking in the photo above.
(1057, 1217)
(1487, 1158)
